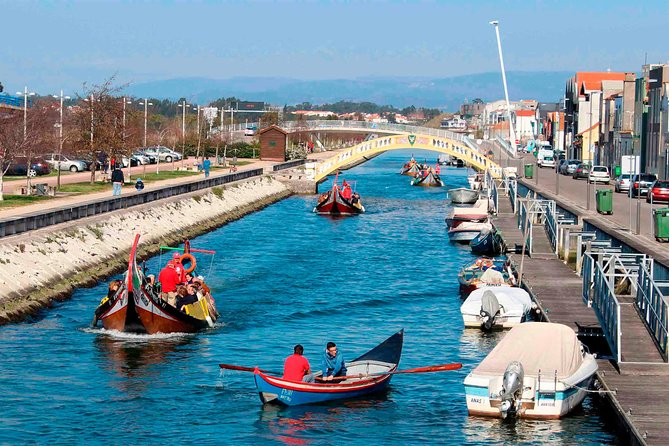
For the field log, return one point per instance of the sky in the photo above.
(53, 45)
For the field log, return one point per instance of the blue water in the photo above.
(281, 276)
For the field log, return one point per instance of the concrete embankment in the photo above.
(46, 265)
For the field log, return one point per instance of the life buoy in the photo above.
(189, 258)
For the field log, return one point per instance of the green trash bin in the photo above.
(529, 170)
(617, 171)
(661, 224)
(605, 201)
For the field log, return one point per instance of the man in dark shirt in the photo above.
(117, 179)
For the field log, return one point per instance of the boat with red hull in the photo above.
(333, 203)
(367, 374)
(137, 307)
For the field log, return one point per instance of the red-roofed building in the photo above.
(584, 93)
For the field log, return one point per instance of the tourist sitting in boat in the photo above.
(333, 363)
(169, 280)
(206, 294)
(355, 200)
(297, 368)
(322, 197)
(185, 296)
(188, 279)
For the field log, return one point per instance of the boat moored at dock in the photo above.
(538, 370)
(496, 307)
(463, 195)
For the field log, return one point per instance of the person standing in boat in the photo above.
(297, 368)
(346, 192)
(169, 279)
(333, 362)
(178, 267)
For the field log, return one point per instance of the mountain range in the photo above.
(443, 93)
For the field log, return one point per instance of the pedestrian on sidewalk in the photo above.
(206, 166)
(117, 179)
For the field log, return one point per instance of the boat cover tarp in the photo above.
(538, 346)
(515, 301)
(492, 276)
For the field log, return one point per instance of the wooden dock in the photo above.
(638, 390)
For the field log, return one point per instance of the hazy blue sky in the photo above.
(49, 45)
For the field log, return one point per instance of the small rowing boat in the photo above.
(488, 242)
(367, 374)
(463, 195)
(485, 272)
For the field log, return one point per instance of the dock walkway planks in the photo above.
(641, 399)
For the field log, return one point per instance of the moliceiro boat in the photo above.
(496, 307)
(367, 374)
(339, 201)
(427, 178)
(538, 370)
(411, 168)
(136, 306)
(462, 195)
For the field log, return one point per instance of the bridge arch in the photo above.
(459, 149)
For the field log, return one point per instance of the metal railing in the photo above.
(371, 126)
(513, 193)
(493, 191)
(530, 212)
(288, 165)
(652, 305)
(607, 308)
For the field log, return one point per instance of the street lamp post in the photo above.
(25, 95)
(60, 135)
(183, 133)
(512, 133)
(146, 104)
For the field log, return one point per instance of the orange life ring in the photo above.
(191, 259)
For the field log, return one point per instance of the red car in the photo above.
(659, 191)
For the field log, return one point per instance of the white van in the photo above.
(545, 151)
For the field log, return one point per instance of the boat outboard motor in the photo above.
(489, 309)
(512, 388)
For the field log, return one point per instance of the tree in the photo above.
(267, 119)
(98, 119)
(14, 142)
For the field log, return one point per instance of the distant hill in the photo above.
(444, 93)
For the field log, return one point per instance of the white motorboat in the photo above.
(466, 231)
(538, 370)
(462, 195)
(496, 307)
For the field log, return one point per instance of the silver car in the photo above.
(622, 182)
(163, 153)
(63, 162)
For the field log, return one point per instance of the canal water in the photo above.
(281, 276)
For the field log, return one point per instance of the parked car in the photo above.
(132, 161)
(164, 154)
(599, 174)
(141, 159)
(547, 161)
(641, 183)
(560, 163)
(65, 163)
(569, 167)
(250, 131)
(153, 159)
(659, 191)
(582, 170)
(19, 166)
(622, 182)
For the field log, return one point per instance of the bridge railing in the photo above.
(651, 302)
(513, 193)
(371, 126)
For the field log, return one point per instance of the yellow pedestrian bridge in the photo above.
(397, 137)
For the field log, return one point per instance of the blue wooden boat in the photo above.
(367, 374)
(488, 243)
